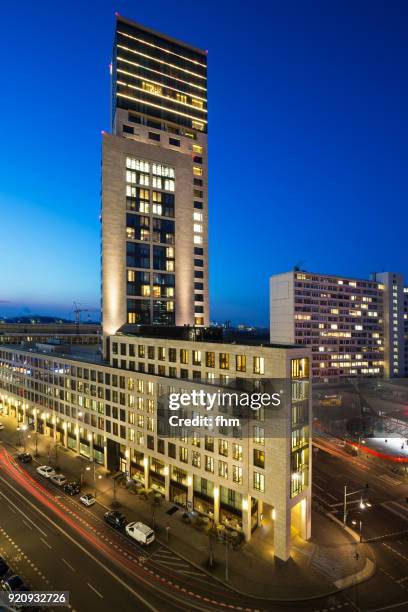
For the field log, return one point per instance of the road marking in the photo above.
(27, 524)
(10, 508)
(23, 513)
(93, 588)
(79, 545)
(46, 543)
(390, 507)
(68, 564)
(325, 492)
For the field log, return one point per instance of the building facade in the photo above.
(154, 183)
(354, 327)
(155, 321)
(106, 412)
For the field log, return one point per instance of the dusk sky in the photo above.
(308, 136)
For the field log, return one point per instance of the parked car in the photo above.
(46, 470)
(13, 583)
(24, 457)
(72, 488)
(59, 480)
(87, 499)
(141, 533)
(115, 519)
(4, 568)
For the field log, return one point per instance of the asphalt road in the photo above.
(57, 544)
(384, 521)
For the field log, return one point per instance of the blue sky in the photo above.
(307, 156)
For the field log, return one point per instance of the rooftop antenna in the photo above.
(298, 266)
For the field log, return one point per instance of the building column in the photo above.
(306, 517)
(260, 511)
(65, 434)
(91, 453)
(167, 483)
(77, 438)
(35, 413)
(190, 492)
(216, 504)
(146, 471)
(105, 453)
(24, 414)
(282, 525)
(246, 516)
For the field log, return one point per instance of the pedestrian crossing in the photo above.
(169, 560)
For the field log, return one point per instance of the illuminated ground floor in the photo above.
(215, 504)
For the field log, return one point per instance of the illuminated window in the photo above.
(300, 368)
(196, 357)
(223, 469)
(198, 228)
(197, 171)
(259, 365)
(259, 482)
(197, 125)
(197, 216)
(237, 474)
(169, 185)
(184, 356)
(197, 103)
(237, 452)
(151, 88)
(181, 97)
(240, 362)
(198, 240)
(224, 361)
(197, 148)
(210, 359)
(259, 435)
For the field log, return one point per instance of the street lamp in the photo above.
(346, 495)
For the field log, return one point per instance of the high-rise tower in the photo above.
(154, 183)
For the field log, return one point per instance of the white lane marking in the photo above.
(93, 588)
(46, 543)
(68, 564)
(325, 492)
(10, 508)
(79, 545)
(390, 507)
(27, 524)
(23, 513)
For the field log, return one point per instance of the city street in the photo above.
(54, 542)
(384, 518)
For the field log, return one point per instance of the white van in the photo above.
(140, 532)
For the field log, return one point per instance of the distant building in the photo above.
(354, 327)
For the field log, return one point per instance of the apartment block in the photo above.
(354, 327)
(106, 412)
(154, 183)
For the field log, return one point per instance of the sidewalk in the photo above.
(319, 567)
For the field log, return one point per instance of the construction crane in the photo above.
(77, 309)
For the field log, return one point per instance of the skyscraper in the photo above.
(154, 183)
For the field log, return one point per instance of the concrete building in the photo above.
(406, 330)
(154, 183)
(393, 325)
(354, 327)
(155, 317)
(106, 412)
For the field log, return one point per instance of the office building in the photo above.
(106, 412)
(354, 327)
(154, 183)
(155, 320)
